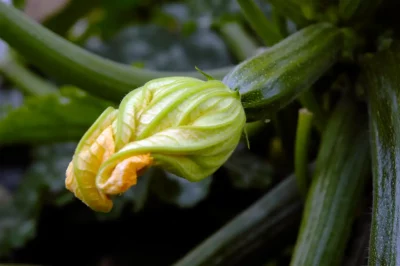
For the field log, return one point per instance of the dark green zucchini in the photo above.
(382, 80)
(341, 168)
(274, 78)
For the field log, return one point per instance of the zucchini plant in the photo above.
(314, 93)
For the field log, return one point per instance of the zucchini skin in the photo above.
(341, 167)
(271, 80)
(381, 77)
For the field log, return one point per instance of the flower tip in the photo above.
(89, 196)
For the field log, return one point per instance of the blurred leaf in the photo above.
(63, 116)
(247, 170)
(179, 191)
(160, 49)
(42, 183)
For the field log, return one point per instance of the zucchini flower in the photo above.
(188, 127)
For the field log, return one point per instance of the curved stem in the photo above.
(74, 65)
(304, 126)
(261, 25)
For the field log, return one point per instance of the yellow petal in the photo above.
(125, 174)
(82, 171)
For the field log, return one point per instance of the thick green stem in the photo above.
(239, 42)
(304, 127)
(28, 82)
(263, 222)
(74, 65)
(260, 24)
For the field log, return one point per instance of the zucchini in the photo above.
(269, 81)
(341, 166)
(382, 81)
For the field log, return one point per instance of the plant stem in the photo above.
(261, 25)
(263, 222)
(304, 127)
(25, 80)
(72, 64)
(240, 43)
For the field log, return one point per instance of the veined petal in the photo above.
(187, 126)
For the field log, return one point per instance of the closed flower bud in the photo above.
(186, 126)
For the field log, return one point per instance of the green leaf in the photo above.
(179, 191)
(62, 116)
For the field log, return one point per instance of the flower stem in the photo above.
(261, 25)
(70, 63)
(304, 126)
